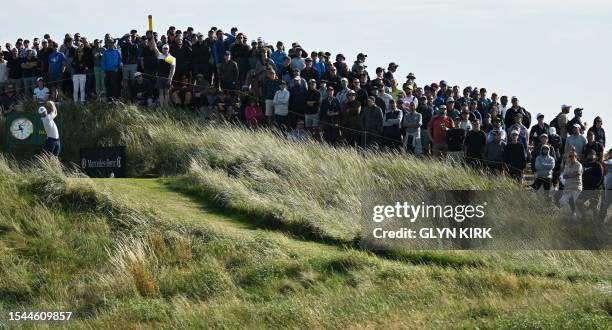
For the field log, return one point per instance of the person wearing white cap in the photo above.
(576, 140)
(41, 93)
(536, 130)
(47, 114)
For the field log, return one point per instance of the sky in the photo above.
(545, 52)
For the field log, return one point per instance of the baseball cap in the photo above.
(411, 75)
(312, 81)
(443, 83)
(546, 146)
(540, 115)
(543, 135)
(450, 99)
(372, 98)
(351, 92)
(137, 74)
(361, 55)
(42, 110)
(552, 131)
(566, 106)
(166, 46)
(576, 125)
(514, 132)
(442, 107)
(308, 59)
(392, 64)
(297, 78)
(435, 85)
(39, 79)
(514, 98)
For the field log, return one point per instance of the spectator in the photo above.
(516, 109)
(455, 140)
(182, 92)
(592, 180)
(166, 67)
(279, 55)
(270, 86)
(111, 63)
(202, 91)
(426, 111)
(576, 141)
(475, 143)
(47, 114)
(313, 105)
(371, 122)
(515, 158)
(3, 71)
(392, 136)
(544, 165)
(577, 121)
(299, 133)
(96, 53)
(281, 105)
(309, 72)
(554, 141)
(253, 114)
(130, 57)
(9, 99)
(57, 66)
(228, 72)
(437, 130)
(79, 75)
(487, 125)
(15, 73)
(142, 91)
(362, 95)
(560, 122)
(332, 78)
(412, 122)
(607, 200)
(572, 175)
(536, 130)
(330, 116)
(351, 117)
(465, 122)
(181, 50)
(598, 131)
(30, 70)
(494, 151)
(593, 145)
(297, 99)
(497, 125)
(521, 128)
(41, 93)
(341, 66)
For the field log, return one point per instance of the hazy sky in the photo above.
(545, 52)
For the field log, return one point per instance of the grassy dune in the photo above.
(249, 230)
(118, 257)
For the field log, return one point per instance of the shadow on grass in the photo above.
(304, 232)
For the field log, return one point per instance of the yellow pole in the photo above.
(150, 22)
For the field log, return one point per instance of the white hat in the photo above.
(565, 106)
(540, 115)
(137, 74)
(576, 125)
(39, 79)
(42, 110)
(514, 132)
(166, 46)
(552, 131)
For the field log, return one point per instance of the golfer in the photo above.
(47, 115)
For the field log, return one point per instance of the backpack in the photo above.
(555, 123)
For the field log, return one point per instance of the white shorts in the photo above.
(269, 108)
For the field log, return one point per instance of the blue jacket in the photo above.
(278, 58)
(320, 66)
(218, 50)
(111, 59)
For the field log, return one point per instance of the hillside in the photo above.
(204, 246)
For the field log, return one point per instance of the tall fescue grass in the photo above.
(62, 247)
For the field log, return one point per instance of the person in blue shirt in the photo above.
(318, 64)
(111, 62)
(57, 66)
(279, 55)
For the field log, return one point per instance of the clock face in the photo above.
(22, 128)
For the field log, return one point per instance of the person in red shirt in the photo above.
(437, 128)
(253, 114)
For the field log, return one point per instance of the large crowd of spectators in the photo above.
(311, 95)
